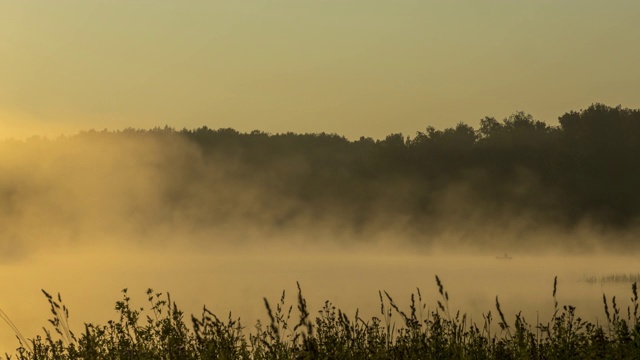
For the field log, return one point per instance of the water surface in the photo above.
(90, 280)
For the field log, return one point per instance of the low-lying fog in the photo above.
(89, 216)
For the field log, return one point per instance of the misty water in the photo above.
(236, 280)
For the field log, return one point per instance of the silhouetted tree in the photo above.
(585, 168)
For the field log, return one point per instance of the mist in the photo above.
(226, 225)
(163, 189)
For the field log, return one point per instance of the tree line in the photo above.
(585, 169)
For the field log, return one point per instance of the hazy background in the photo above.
(88, 217)
(355, 67)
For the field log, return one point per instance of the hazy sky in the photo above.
(354, 67)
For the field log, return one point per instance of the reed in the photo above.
(161, 332)
(612, 278)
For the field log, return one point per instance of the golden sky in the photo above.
(353, 67)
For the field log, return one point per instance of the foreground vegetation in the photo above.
(416, 333)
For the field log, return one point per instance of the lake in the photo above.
(236, 280)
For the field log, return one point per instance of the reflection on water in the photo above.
(90, 281)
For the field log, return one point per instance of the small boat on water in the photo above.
(504, 257)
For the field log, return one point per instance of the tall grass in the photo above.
(161, 332)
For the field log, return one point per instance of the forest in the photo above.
(515, 170)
